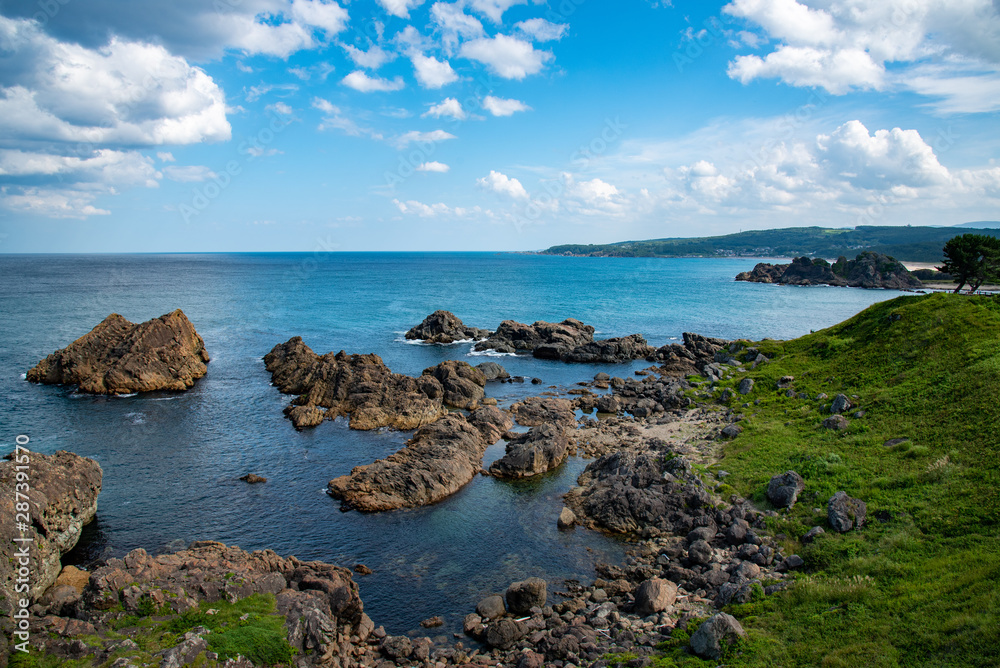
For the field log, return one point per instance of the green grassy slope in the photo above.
(914, 244)
(920, 585)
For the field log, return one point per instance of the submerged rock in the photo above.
(62, 499)
(444, 327)
(120, 357)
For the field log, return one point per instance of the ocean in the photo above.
(172, 460)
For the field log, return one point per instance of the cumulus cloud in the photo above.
(503, 185)
(433, 166)
(454, 24)
(335, 119)
(494, 9)
(508, 57)
(447, 108)
(431, 72)
(372, 59)
(400, 8)
(841, 45)
(364, 83)
(540, 30)
(503, 107)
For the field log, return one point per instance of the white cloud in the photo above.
(431, 72)
(415, 136)
(335, 119)
(166, 156)
(189, 174)
(400, 8)
(508, 57)
(321, 70)
(254, 93)
(280, 108)
(494, 9)
(454, 24)
(433, 166)
(449, 108)
(503, 185)
(360, 81)
(415, 208)
(503, 107)
(842, 45)
(541, 30)
(372, 59)
(51, 202)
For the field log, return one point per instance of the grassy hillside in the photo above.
(920, 585)
(913, 244)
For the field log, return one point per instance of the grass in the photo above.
(920, 584)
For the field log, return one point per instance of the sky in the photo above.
(394, 125)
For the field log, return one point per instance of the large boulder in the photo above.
(462, 383)
(715, 635)
(783, 490)
(493, 371)
(845, 512)
(541, 449)
(524, 595)
(120, 357)
(654, 595)
(444, 327)
(62, 498)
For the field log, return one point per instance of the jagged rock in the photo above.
(567, 519)
(444, 327)
(493, 371)
(790, 563)
(120, 357)
(867, 270)
(524, 595)
(654, 595)
(715, 634)
(440, 458)
(396, 647)
(812, 534)
(691, 357)
(845, 513)
(700, 552)
(535, 411)
(841, 404)
(783, 490)
(514, 336)
(541, 449)
(746, 386)
(619, 349)
(364, 388)
(62, 499)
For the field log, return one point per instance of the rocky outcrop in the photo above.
(516, 337)
(120, 357)
(61, 494)
(867, 270)
(445, 327)
(618, 349)
(537, 451)
(535, 411)
(440, 458)
(493, 371)
(692, 356)
(364, 388)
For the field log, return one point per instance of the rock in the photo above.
(432, 622)
(700, 552)
(567, 519)
(737, 532)
(790, 563)
(609, 404)
(812, 534)
(361, 569)
(602, 377)
(845, 513)
(535, 411)
(531, 660)
(715, 634)
(524, 595)
(492, 422)
(840, 404)
(472, 625)
(183, 654)
(731, 431)
(785, 382)
(493, 371)
(73, 577)
(463, 384)
(836, 423)
(440, 459)
(513, 336)
(691, 357)
(503, 633)
(783, 490)
(444, 327)
(867, 270)
(654, 595)
(536, 381)
(62, 499)
(396, 647)
(491, 607)
(893, 442)
(746, 386)
(619, 349)
(120, 357)
(252, 479)
(541, 449)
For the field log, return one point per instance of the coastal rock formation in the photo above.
(62, 498)
(440, 458)
(537, 451)
(445, 327)
(120, 357)
(633, 347)
(867, 270)
(516, 337)
(690, 357)
(364, 388)
(535, 411)
(493, 371)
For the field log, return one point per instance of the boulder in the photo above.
(783, 490)
(493, 371)
(715, 635)
(654, 595)
(812, 534)
(120, 357)
(541, 449)
(840, 404)
(620, 349)
(444, 327)
(514, 336)
(746, 386)
(732, 431)
(62, 499)
(535, 411)
(504, 633)
(524, 595)
(462, 383)
(836, 423)
(567, 519)
(253, 479)
(491, 607)
(845, 513)
(700, 552)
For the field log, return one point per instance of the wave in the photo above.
(24, 376)
(417, 342)
(124, 396)
(489, 353)
(165, 398)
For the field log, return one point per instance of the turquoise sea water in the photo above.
(172, 461)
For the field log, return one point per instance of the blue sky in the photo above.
(283, 125)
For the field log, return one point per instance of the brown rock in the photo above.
(654, 595)
(444, 327)
(541, 449)
(253, 479)
(119, 357)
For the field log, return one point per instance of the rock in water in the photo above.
(867, 270)
(493, 371)
(845, 513)
(444, 327)
(119, 357)
(541, 449)
(63, 498)
(439, 459)
(516, 337)
(567, 519)
(783, 490)
(714, 635)
(364, 388)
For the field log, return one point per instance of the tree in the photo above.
(972, 259)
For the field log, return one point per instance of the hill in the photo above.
(982, 224)
(911, 244)
(919, 585)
